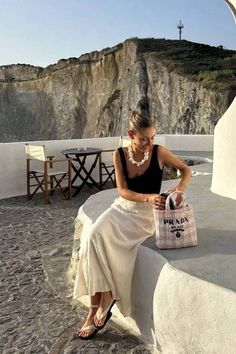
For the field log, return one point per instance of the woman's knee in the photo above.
(101, 227)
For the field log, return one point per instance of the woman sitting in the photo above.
(109, 249)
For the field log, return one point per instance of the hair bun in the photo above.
(139, 121)
(135, 114)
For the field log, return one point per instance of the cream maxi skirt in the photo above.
(109, 248)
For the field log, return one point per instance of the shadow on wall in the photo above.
(148, 268)
(26, 115)
(205, 261)
(80, 120)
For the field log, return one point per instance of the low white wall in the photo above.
(13, 158)
(224, 167)
(189, 142)
(192, 315)
(184, 300)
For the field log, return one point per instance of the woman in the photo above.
(108, 251)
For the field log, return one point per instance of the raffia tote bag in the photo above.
(175, 228)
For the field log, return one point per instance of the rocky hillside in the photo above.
(184, 86)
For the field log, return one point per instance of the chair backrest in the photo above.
(36, 152)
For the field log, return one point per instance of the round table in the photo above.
(78, 158)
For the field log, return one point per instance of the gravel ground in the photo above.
(37, 313)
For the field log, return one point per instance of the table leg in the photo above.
(87, 173)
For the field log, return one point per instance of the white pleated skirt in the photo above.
(109, 248)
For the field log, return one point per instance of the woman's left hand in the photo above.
(179, 197)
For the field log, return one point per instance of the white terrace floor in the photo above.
(36, 311)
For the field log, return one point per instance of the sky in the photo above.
(41, 32)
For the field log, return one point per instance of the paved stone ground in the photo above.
(37, 312)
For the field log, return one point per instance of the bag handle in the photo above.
(167, 205)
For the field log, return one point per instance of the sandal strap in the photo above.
(87, 328)
(94, 306)
(107, 309)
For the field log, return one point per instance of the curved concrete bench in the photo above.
(184, 300)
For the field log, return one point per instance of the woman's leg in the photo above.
(104, 307)
(95, 302)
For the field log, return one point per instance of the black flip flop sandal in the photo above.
(90, 327)
(107, 312)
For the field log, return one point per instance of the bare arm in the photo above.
(123, 188)
(167, 157)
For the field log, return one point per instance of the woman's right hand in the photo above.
(157, 200)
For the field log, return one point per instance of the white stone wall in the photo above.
(13, 158)
(224, 162)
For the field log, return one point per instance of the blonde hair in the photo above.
(139, 121)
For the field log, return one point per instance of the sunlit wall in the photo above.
(224, 163)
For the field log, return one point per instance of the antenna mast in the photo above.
(180, 26)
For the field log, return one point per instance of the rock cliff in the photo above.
(91, 96)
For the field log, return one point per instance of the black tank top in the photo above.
(150, 180)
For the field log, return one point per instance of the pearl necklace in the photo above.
(131, 157)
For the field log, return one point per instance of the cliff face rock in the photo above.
(180, 105)
(91, 96)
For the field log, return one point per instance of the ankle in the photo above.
(106, 295)
(91, 314)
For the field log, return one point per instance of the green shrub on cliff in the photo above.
(215, 67)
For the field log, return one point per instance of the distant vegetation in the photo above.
(215, 67)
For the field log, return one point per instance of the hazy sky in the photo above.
(40, 32)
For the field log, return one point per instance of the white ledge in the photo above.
(184, 300)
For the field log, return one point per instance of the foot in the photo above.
(88, 330)
(103, 313)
